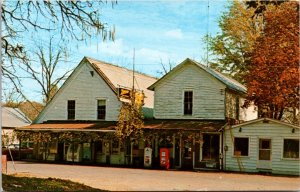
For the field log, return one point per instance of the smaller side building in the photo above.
(262, 145)
(11, 119)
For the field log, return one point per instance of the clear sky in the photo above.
(159, 31)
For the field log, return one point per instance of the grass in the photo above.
(12, 183)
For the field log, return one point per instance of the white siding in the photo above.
(274, 131)
(85, 89)
(208, 102)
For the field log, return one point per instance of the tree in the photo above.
(166, 68)
(130, 120)
(240, 27)
(273, 79)
(65, 17)
(31, 108)
(70, 20)
(48, 58)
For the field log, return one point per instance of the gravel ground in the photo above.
(125, 179)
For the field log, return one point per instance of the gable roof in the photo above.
(265, 120)
(119, 76)
(13, 117)
(229, 82)
(115, 77)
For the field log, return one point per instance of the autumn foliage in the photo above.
(273, 78)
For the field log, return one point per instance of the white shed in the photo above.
(262, 145)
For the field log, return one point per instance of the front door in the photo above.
(107, 151)
(264, 154)
(177, 152)
(187, 159)
(210, 151)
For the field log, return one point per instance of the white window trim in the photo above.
(234, 148)
(182, 103)
(282, 149)
(258, 148)
(96, 111)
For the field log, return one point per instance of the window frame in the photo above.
(233, 148)
(183, 103)
(97, 110)
(71, 109)
(270, 149)
(115, 147)
(282, 153)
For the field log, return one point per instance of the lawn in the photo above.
(12, 183)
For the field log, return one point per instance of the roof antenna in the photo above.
(133, 68)
(207, 63)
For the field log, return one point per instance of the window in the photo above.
(71, 109)
(98, 146)
(115, 147)
(188, 103)
(241, 146)
(101, 109)
(291, 148)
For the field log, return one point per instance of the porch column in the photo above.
(131, 147)
(194, 151)
(180, 149)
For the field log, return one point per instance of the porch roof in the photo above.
(193, 125)
(108, 126)
(103, 126)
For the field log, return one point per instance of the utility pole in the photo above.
(207, 32)
(1, 188)
(133, 69)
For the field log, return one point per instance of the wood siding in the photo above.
(85, 89)
(277, 133)
(208, 101)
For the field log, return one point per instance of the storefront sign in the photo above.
(147, 157)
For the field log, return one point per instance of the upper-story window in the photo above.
(101, 109)
(71, 109)
(188, 103)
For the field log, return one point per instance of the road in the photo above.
(126, 179)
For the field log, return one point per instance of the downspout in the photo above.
(222, 161)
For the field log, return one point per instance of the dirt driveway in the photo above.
(124, 179)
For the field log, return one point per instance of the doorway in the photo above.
(177, 152)
(265, 152)
(187, 154)
(211, 150)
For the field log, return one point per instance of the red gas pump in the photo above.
(164, 158)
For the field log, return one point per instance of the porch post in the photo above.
(180, 148)
(194, 151)
(131, 147)
(173, 148)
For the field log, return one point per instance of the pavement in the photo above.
(129, 179)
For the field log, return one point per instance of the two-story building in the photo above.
(77, 124)
(193, 111)
(192, 104)
(195, 99)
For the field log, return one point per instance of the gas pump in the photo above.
(164, 158)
